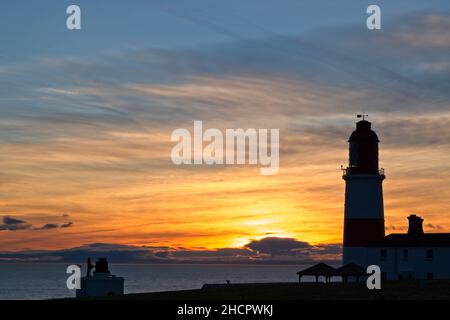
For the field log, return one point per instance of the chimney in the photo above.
(415, 225)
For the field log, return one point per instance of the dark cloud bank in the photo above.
(264, 251)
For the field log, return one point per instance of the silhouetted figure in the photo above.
(90, 266)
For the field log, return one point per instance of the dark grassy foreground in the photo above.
(391, 290)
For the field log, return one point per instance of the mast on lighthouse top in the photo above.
(363, 149)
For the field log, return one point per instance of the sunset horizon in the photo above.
(264, 244)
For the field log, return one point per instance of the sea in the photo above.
(48, 280)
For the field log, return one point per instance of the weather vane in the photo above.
(362, 115)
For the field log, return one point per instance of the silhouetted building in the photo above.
(364, 213)
(101, 283)
(413, 255)
(351, 271)
(345, 272)
(318, 270)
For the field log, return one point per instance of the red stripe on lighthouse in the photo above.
(362, 232)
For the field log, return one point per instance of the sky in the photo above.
(86, 118)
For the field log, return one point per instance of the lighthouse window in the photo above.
(429, 255)
(353, 154)
(405, 255)
(383, 254)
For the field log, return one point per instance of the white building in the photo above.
(415, 254)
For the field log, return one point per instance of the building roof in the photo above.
(363, 132)
(351, 269)
(408, 240)
(320, 269)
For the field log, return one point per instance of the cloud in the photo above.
(395, 228)
(67, 225)
(290, 248)
(267, 250)
(175, 85)
(13, 224)
(313, 77)
(277, 246)
(427, 31)
(434, 226)
(49, 226)
(10, 220)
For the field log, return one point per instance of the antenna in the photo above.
(362, 115)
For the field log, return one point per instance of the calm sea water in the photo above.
(45, 281)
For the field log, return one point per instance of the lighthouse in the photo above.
(364, 212)
(413, 255)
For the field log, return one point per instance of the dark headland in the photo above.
(391, 290)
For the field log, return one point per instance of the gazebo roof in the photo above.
(320, 269)
(350, 269)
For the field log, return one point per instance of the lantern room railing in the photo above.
(348, 170)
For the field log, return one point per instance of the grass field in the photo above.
(391, 290)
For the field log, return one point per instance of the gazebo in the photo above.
(320, 269)
(351, 270)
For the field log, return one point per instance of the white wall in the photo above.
(417, 264)
(364, 196)
(100, 286)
